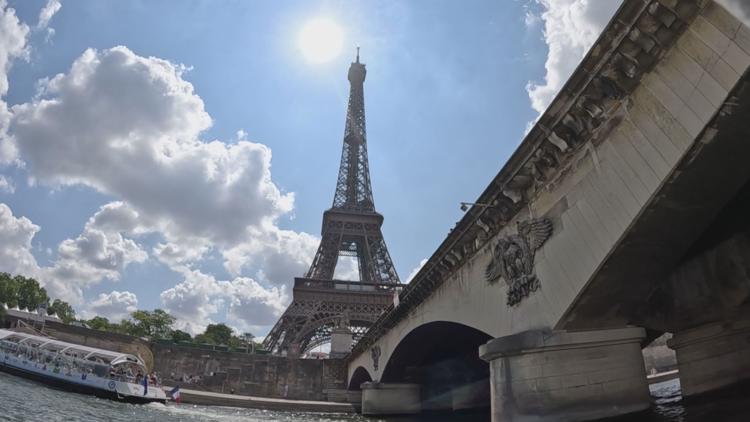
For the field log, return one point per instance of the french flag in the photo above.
(175, 393)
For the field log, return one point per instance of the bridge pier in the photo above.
(341, 342)
(390, 398)
(557, 375)
(712, 356)
(475, 395)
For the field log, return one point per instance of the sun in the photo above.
(320, 40)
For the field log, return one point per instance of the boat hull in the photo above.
(62, 384)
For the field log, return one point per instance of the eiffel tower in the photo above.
(323, 309)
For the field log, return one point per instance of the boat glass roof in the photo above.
(70, 348)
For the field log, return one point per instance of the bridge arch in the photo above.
(318, 331)
(442, 357)
(359, 376)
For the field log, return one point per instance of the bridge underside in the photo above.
(442, 358)
(683, 262)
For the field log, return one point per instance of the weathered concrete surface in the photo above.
(390, 399)
(626, 206)
(561, 376)
(666, 271)
(712, 356)
(249, 374)
(207, 398)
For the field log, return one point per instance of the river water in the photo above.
(23, 400)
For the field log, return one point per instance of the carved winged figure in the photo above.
(513, 259)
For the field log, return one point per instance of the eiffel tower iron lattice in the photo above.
(351, 228)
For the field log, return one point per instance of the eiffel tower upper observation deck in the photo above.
(351, 228)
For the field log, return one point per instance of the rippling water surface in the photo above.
(22, 400)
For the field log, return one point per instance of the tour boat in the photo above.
(76, 368)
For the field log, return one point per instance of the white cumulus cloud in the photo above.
(13, 37)
(198, 300)
(47, 12)
(415, 270)
(131, 127)
(6, 184)
(16, 234)
(570, 29)
(281, 254)
(114, 306)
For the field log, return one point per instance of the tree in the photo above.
(216, 334)
(156, 324)
(181, 336)
(26, 293)
(99, 323)
(29, 294)
(8, 290)
(127, 326)
(63, 310)
(247, 337)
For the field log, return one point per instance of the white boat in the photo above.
(81, 369)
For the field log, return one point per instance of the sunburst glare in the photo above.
(320, 40)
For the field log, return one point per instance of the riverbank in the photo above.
(206, 398)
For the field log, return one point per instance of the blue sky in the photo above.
(447, 99)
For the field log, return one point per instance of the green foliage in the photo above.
(99, 323)
(181, 336)
(25, 293)
(63, 310)
(29, 294)
(223, 335)
(156, 324)
(247, 337)
(219, 334)
(8, 290)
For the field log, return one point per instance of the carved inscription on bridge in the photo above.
(513, 259)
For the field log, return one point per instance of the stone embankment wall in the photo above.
(248, 374)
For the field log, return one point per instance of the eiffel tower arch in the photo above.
(321, 305)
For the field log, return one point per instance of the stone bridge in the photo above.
(622, 215)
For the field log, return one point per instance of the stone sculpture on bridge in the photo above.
(513, 259)
(375, 354)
